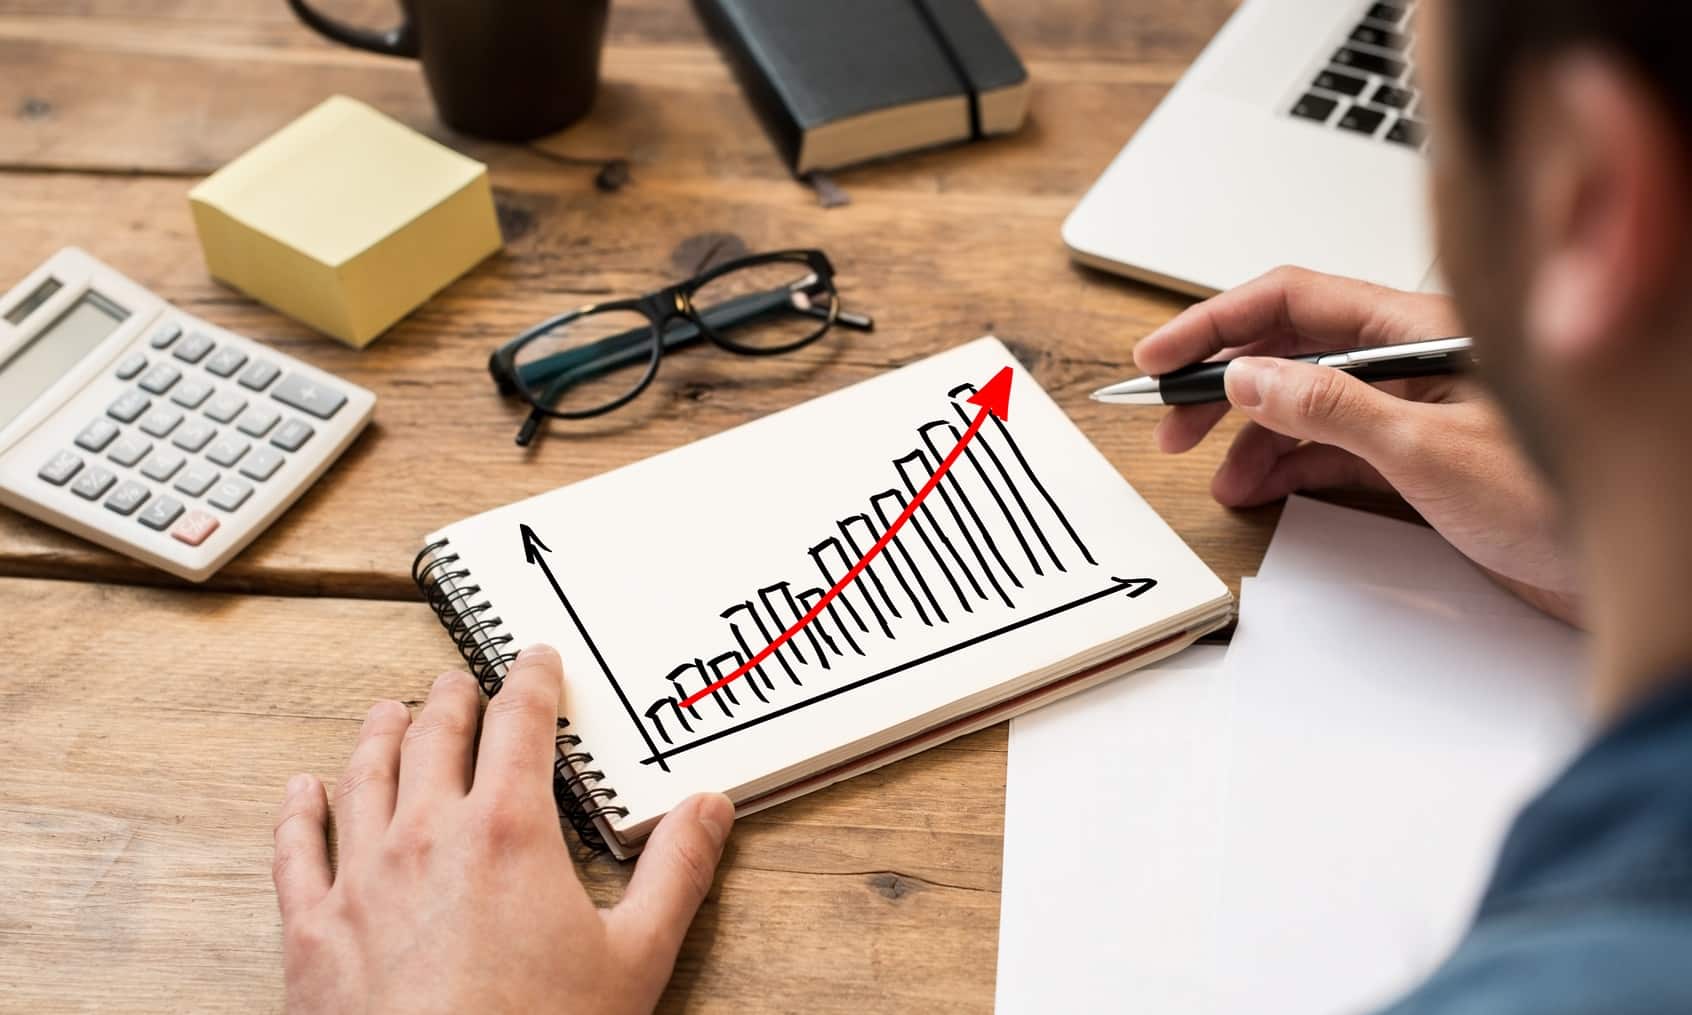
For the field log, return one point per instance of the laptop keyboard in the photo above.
(1366, 87)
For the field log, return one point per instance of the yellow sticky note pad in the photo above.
(345, 219)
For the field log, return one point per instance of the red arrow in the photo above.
(994, 398)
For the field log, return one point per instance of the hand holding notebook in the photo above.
(431, 857)
(1029, 570)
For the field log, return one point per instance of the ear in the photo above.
(1603, 168)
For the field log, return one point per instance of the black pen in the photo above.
(1202, 382)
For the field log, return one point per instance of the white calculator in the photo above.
(149, 431)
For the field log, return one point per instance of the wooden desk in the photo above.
(149, 726)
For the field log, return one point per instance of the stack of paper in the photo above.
(1303, 823)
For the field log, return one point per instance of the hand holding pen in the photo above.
(1436, 440)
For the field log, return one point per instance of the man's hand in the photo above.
(454, 891)
(1438, 441)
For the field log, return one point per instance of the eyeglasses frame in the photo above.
(660, 308)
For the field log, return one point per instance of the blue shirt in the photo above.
(1590, 907)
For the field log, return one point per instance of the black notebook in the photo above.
(820, 592)
(843, 82)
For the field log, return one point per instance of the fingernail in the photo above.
(299, 784)
(1245, 380)
(715, 814)
(537, 651)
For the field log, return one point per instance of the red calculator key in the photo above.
(194, 527)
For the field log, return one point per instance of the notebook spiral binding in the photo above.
(580, 792)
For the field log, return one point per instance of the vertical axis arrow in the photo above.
(534, 552)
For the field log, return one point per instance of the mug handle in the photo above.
(399, 41)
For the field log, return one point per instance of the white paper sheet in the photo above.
(1383, 740)
(1111, 842)
(1305, 828)
(1321, 542)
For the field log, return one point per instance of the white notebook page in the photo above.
(1034, 552)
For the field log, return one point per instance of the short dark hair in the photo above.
(1493, 39)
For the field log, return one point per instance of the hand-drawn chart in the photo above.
(962, 540)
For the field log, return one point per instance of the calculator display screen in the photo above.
(58, 347)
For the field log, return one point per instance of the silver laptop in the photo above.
(1296, 138)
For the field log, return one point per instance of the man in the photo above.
(1563, 189)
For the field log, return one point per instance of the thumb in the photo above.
(673, 876)
(1321, 404)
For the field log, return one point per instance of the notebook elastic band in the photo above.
(957, 63)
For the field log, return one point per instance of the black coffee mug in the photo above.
(509, 70)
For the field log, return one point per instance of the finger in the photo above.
(301, 865)
(1182, 427)
(1327, 406)
(1260, 468)
(1291, 309)
(1250, 457)
(520, 728)
(435, 754)
(364, 798)
(673, 877)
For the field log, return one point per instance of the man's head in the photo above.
(1563, 191)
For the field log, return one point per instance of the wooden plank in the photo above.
(218, 75)
(670, 108)
(1152, 29)
(148, 734)
(934, 270)
(942, 247)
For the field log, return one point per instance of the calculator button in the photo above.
(127, 497)
(225, 407)
(160, 421)
(226, 451)
(190, 393)
(163, 465)
(290, 436)
(93, 482)
(308, 396)
(257, 421)
(164, 334)
(194, 348)
(96, 435)
(230, 494)
(60, 468)
(131, 365)
(194, 527)
(226, 361)
(196, 479)
(159, 379)
(194, 435)
(129, 450)
(262, 464)
(160, 513)
(129, 405)
(259, 375)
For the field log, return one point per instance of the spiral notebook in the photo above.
(820, 592)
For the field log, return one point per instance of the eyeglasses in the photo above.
(590, 361)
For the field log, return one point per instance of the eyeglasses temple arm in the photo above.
(845, 318)
(575, 365)
(560, 370)
(531, 425)
(629, 347)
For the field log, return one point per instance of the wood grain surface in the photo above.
(114, 118)
(144, 765)
(148, 730)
